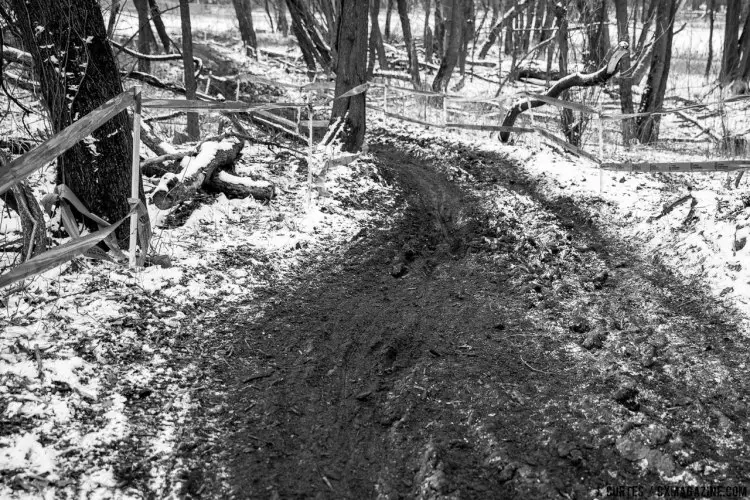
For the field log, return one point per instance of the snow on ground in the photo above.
(99, 364)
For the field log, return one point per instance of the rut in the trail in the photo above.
(463, 377)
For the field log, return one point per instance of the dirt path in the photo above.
(488, 342)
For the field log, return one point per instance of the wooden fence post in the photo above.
(309, 154)
(601, 145)
(385, 104)
(135, 175)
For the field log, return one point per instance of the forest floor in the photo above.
(492, 338)
(447, 318)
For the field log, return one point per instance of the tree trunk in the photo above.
(145, 35)
(625, 82)
(411, 47)
(244, 11)
(730, 55)
(159, 24)
(21, 199)
(594, 18)
(572, 133)
(439, 32)
(376, 41)
(351, 51)
(267, 8)
(77, 72)
(453, 20)
(539, 18)
(497, 27)
(427, 33)
(193, 126)
(114, 13)
(529, 23)
(744, 48)
(467, 33)
(330, 15)
(195, 172)
(647, 128)
(711, 8)
(281, 22)
(388, 12)
(310, 40)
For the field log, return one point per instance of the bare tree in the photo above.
(453, 13)
(625, 81)
(244, 11)
(351, 71)
(193, 125)
(376, 40)
(647, 127)
(77, 73)
(161, 30)
(145, 36)
(309, 38)
(281, 22)
(411, 47)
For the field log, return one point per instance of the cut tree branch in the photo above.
(572, 80)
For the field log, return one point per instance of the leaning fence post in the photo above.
(135, 174)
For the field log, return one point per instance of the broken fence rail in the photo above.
(679, 166)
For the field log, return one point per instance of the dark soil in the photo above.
(488, 341)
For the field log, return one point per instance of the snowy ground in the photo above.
(99, 365)
(95, 367)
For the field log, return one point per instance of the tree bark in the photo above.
(75, 66)
(498, 26)
(730, 55)
(243, 9)
(439, 32)
(376, 41)
(234, 186)
(310, 41)
(429, 41)
(647, 128)
(411, 47)
(453, 16)
(161, 30)
(594, 18)
(571, 132)
(467, 33)
(145, 35)
(351, 71)
(114, 13)
(193, 125)
(625, 82)
(388, 14)
(197, 170)
(281, 22)
(711, 8)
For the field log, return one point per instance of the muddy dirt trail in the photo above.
(489, 341)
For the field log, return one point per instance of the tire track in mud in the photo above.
(465, 375)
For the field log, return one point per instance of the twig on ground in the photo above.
(532, 368)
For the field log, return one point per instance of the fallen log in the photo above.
(563, 84)
(21, 82)
(14, 55)
(234, 186)
(154, 142)
(196, 170)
